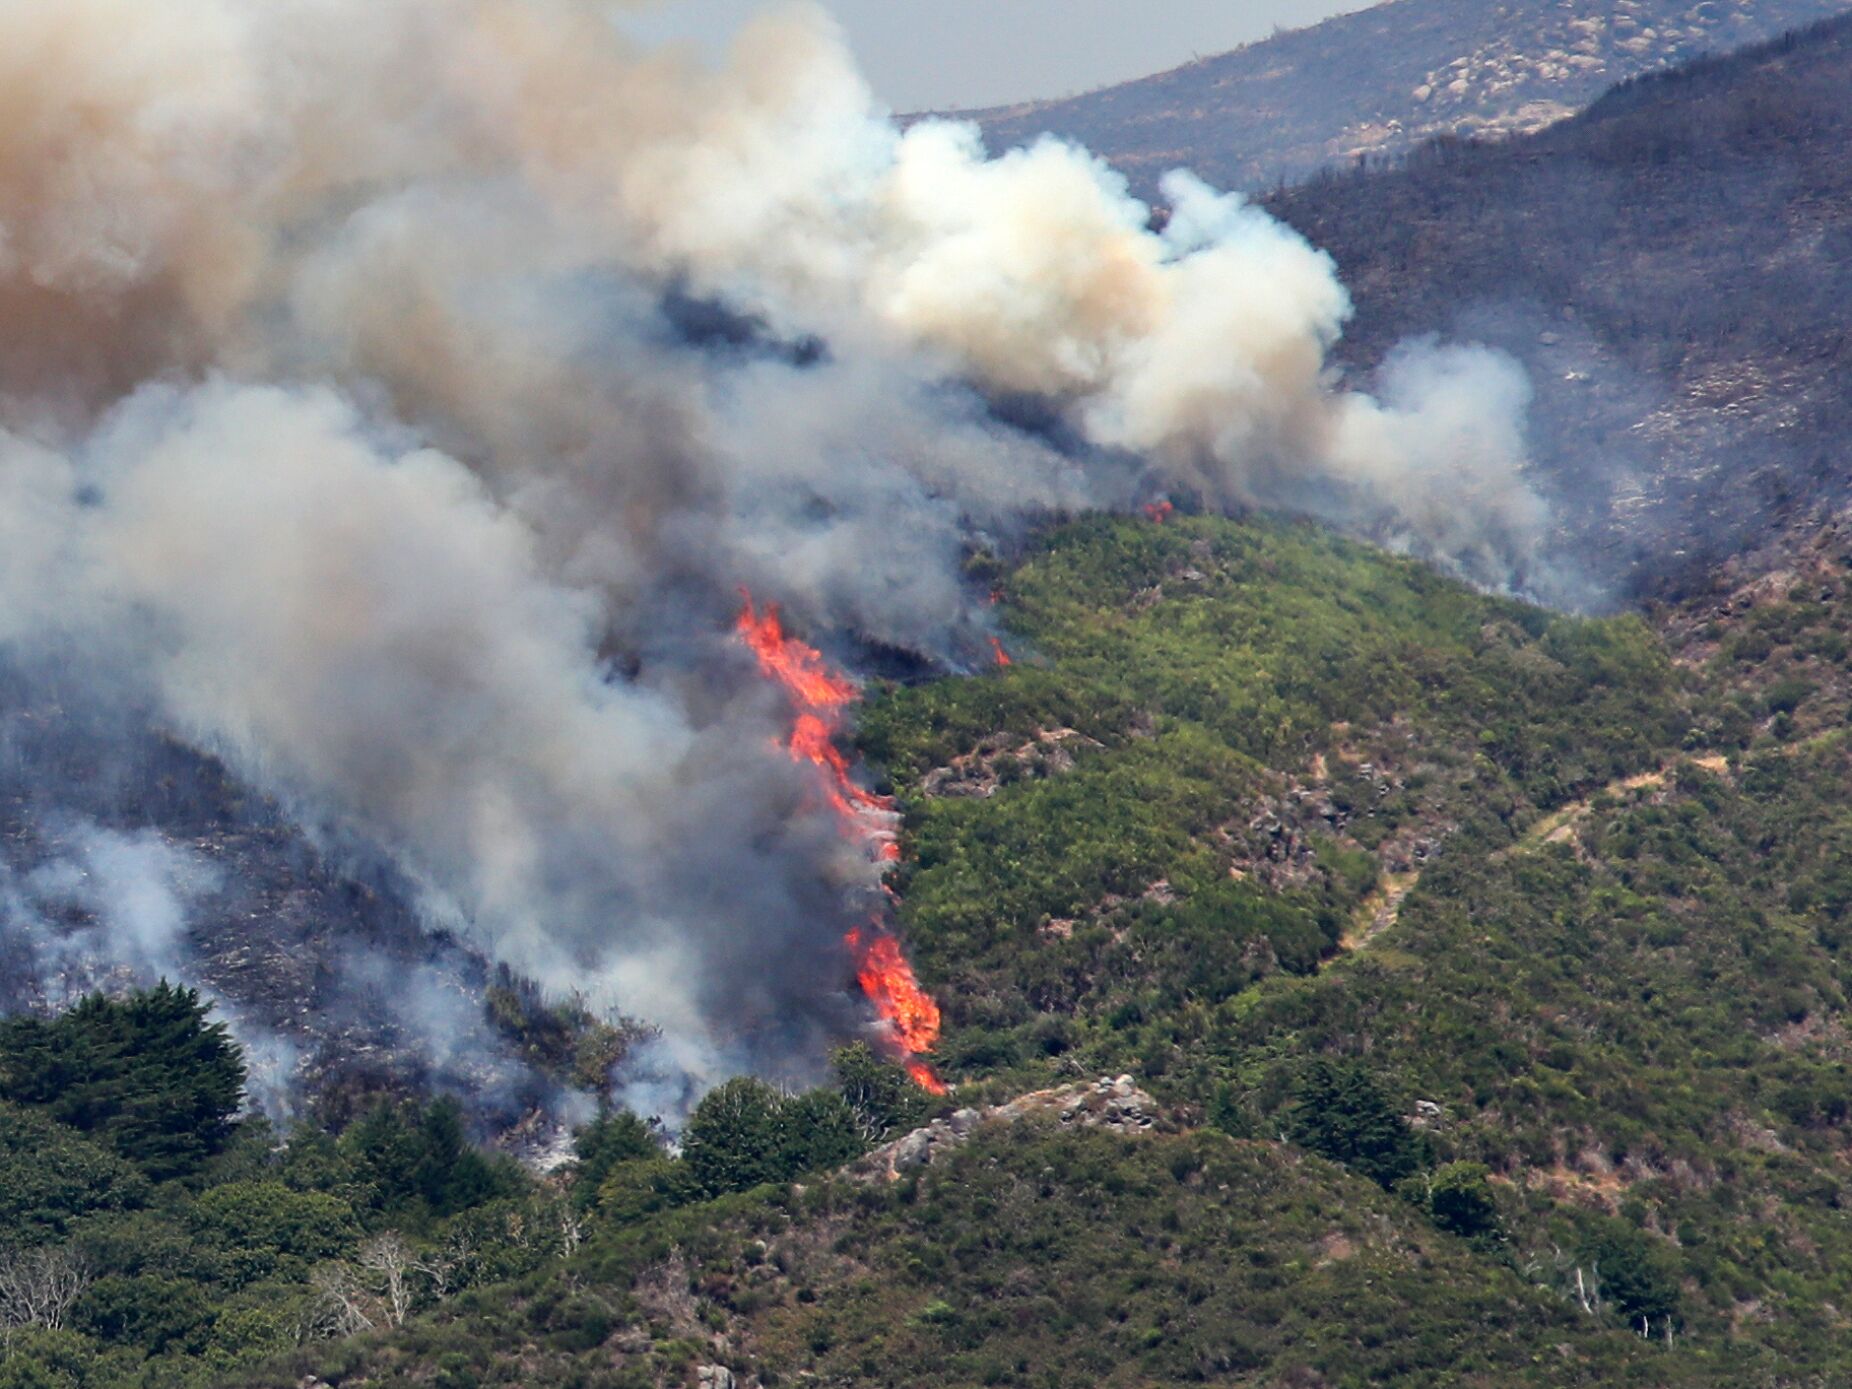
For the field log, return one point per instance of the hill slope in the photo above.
(1486, 968)
(1381, 80)
(1672, 269)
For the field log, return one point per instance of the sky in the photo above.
(933, 54)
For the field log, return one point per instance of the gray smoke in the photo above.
(342, 422)
(113, 911)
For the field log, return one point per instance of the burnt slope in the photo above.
(1675, 269)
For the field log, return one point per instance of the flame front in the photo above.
(821, 696)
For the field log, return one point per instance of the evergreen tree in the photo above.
(614, 1138)
(147, 1074)
(1341, 1111)
(450, 1174)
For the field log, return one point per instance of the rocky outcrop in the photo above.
(1109, 1103)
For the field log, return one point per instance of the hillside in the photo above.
(1475, 972)
(1341, 976)
(1380, 81)
(1670, 267)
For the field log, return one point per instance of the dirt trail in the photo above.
(1378, 912)
(1558, 827)
(1383, 907)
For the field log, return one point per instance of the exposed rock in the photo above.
(1385, 78)
(1113, 1102)
(1000, 758)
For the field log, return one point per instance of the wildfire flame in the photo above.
(1003, 657)
(821, 696)
(1159, 511)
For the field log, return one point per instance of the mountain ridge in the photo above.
(1379, 81)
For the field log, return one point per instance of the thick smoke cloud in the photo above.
(344, 421)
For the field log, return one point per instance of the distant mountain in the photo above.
(1381, 80)
(1674, 269)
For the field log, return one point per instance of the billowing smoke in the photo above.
(359, 418)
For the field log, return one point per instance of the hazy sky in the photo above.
(937, 53)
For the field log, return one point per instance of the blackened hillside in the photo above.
(1675, 268)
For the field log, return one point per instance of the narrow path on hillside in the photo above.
(1378, 912)
(1558, 827)
(1383, 907)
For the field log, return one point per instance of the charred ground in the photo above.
(1672, 269)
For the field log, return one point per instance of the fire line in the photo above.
(820, 697)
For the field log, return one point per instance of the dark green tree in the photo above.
(614, 1138)
(154, 1314)
(450, 1174)
(51, 1175)
(1460, 1200)
(819, 1132)
(385, 1152)
(146, 1074)
(881, 1096)
(734, 1139)
(1636, 1280)
(1341, 1111)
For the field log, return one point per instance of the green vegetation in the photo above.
(1184, 842)
(149, 1078)
(149, 1237)
(1487, 963)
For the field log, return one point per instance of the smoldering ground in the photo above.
(357, 427)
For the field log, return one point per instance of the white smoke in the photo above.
(343, 417)
(113, 910)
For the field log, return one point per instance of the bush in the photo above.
(1459, 1198)
(1636, 1280)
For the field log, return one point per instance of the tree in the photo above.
(614, 1138)
(1341, 1111)
(819, 1132)
(51, 1175)
(152, 1313)
(342, 1305)
(734, 1139)
(637, 1189)
(450, 1174)
(387, 1264)
(1635, 1279)
(385, 1152)
(258, 1229)
(411, 1156)
(880, 1095)
(1460, 1200)
(38, 1287)
(146, 1074)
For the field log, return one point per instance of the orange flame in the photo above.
(821, 696)
(1160, 511)
(1003, 657)
(799, 668)
(889, 983)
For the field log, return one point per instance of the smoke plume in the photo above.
(394, 395)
